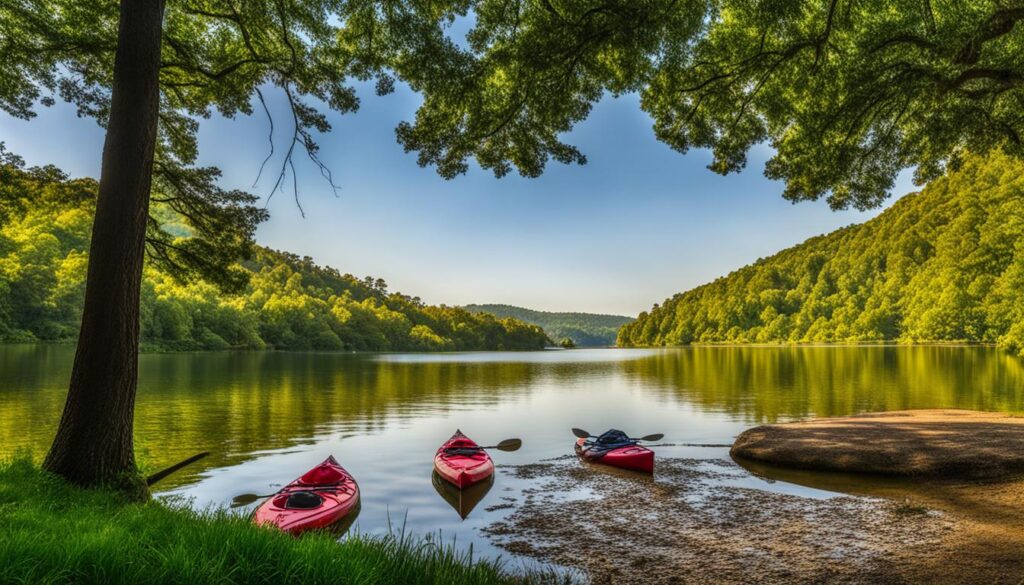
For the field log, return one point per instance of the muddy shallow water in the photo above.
(695, 522)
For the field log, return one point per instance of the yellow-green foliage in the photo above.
(289, 302)
(945, 264)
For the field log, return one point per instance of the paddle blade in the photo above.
(244, 500)
(655, 437)
(509, 445)
(580, 433)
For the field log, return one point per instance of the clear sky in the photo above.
(635, 225)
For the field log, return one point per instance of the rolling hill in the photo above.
(585, 329)
(945, 264)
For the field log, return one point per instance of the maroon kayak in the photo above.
(633, 457)
(322, 496)
(462, 462)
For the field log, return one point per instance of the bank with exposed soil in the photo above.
(951, 444)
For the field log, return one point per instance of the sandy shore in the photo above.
(919, 443)
(708, 521)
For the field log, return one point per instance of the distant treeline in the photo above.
(945, 264)
(288, 303)
(584, 329)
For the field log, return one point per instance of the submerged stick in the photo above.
(162, 474)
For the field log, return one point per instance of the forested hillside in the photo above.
(584, 329)
(288, 302)
(945, 264)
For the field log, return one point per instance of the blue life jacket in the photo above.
(612, 439)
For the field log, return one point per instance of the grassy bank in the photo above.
(51, 532)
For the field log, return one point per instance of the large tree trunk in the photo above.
(94, 441)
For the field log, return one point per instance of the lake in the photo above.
(269, 416)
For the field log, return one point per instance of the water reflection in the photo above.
(238, 404)
(766, 384)
(462, 501)
(341, 527)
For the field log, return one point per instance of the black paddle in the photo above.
(506, 445)
(245, 499)
(162, 474)
(585, 435)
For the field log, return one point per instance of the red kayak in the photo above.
(321, 497)
(462, 462)
(633, 457)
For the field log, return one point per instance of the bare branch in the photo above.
(270, 138)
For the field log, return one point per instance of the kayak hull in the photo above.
(330, 481)
(462, 471)
(632, 457)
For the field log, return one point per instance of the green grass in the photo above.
(52, 532)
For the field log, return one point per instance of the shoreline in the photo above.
(143, 349)
(789, 344)
(794, 344)
(927, 443)
(698, 521)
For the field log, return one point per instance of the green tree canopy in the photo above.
(215, 56)
(847, 93)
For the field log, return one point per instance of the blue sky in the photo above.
(635, 225)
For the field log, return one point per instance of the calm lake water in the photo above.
(269, 416)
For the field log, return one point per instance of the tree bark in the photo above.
(94, 440)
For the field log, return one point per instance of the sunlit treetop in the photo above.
(846, 93)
